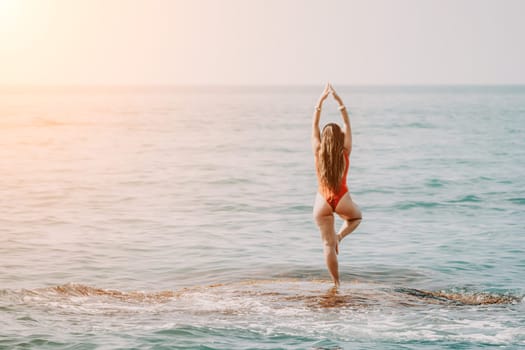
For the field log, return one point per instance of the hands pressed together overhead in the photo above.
(329, 89)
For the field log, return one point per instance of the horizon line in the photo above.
(247, 85)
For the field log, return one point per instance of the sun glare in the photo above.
(9, 12)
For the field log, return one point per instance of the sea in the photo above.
(180, 217)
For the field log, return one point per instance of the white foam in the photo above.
(299, 308)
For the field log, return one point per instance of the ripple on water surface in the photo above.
(282, 311)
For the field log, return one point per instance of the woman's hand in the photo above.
(324, 95)
(334, 94)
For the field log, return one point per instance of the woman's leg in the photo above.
(324, 219)
(350, 213)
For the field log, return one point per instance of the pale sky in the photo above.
(270, 42)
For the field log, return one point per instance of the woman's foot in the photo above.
(348, 227)
(339, 239)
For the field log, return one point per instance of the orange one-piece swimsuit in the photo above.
(331, 197)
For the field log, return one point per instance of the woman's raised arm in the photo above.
(316, 132)
(346, 120)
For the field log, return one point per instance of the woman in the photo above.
(332, 150)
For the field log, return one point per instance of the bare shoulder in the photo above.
(348, 142)
(316, 146)
(316, 157)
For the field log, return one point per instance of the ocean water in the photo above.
(166, 218)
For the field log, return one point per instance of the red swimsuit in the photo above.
(331, 197)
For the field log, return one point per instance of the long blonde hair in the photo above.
(331, 159)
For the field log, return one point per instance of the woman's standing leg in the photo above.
(324, 219)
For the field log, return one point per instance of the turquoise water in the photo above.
(181, 218)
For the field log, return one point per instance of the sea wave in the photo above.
(312, 293)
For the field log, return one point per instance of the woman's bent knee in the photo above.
(357, 216)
